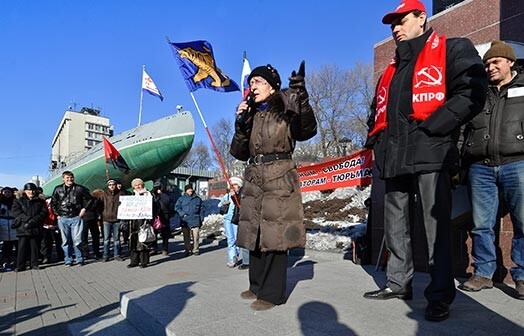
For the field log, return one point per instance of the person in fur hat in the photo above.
(139, 251)
(30, 211)
(268, 124)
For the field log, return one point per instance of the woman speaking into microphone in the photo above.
(267, 127)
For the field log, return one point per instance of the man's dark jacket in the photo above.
(496, 135)
(408, 146)
(110, 203)
(189, 209)
(68, 201)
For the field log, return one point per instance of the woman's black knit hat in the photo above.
(268, 73)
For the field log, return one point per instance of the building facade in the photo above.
(77, 133)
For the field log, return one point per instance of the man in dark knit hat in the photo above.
(432, 86)
(111, 223)
(494, 143)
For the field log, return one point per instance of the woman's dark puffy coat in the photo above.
(165, 206)
(407, 146)
(94, 211)
(271, 197)
(189, 208)
(29, 216)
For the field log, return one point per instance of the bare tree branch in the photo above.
(340, 99)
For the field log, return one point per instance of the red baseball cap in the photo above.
(404, 7)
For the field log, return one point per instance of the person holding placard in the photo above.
(139, 252)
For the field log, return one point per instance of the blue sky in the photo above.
(90, 53)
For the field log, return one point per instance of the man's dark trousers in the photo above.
(433, 208)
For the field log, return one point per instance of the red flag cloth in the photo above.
(112, 154)
(349, 171)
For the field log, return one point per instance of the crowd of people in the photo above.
(434, 91)
(31, 223)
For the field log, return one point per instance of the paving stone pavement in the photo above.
(198, 295)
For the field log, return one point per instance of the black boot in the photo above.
(437, 311)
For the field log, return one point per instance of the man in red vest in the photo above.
(431, 87)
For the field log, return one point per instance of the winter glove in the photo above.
(298, 96)
(297, 80)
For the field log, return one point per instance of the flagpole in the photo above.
(215, 149)
(105, 158)
(242, 88)
(141, 96)
(198, 110)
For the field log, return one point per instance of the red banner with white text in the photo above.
(349, 171)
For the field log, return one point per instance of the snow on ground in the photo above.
(331, 235)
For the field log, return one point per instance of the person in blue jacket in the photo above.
(188, 207)
(231, 225)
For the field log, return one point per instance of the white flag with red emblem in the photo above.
(149, 86)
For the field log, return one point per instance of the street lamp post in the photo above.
(344, 143)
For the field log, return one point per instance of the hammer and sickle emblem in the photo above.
(381, 97)
(431, 76)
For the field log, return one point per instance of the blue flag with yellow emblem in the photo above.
(198, 67)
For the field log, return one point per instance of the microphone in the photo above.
(250, 100)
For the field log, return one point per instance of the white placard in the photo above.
(135, 207)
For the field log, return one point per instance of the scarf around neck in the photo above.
(428, 87)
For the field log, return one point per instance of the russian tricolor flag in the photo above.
(244, 85)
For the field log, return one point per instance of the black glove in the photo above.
(297, 80)
(298, 96)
